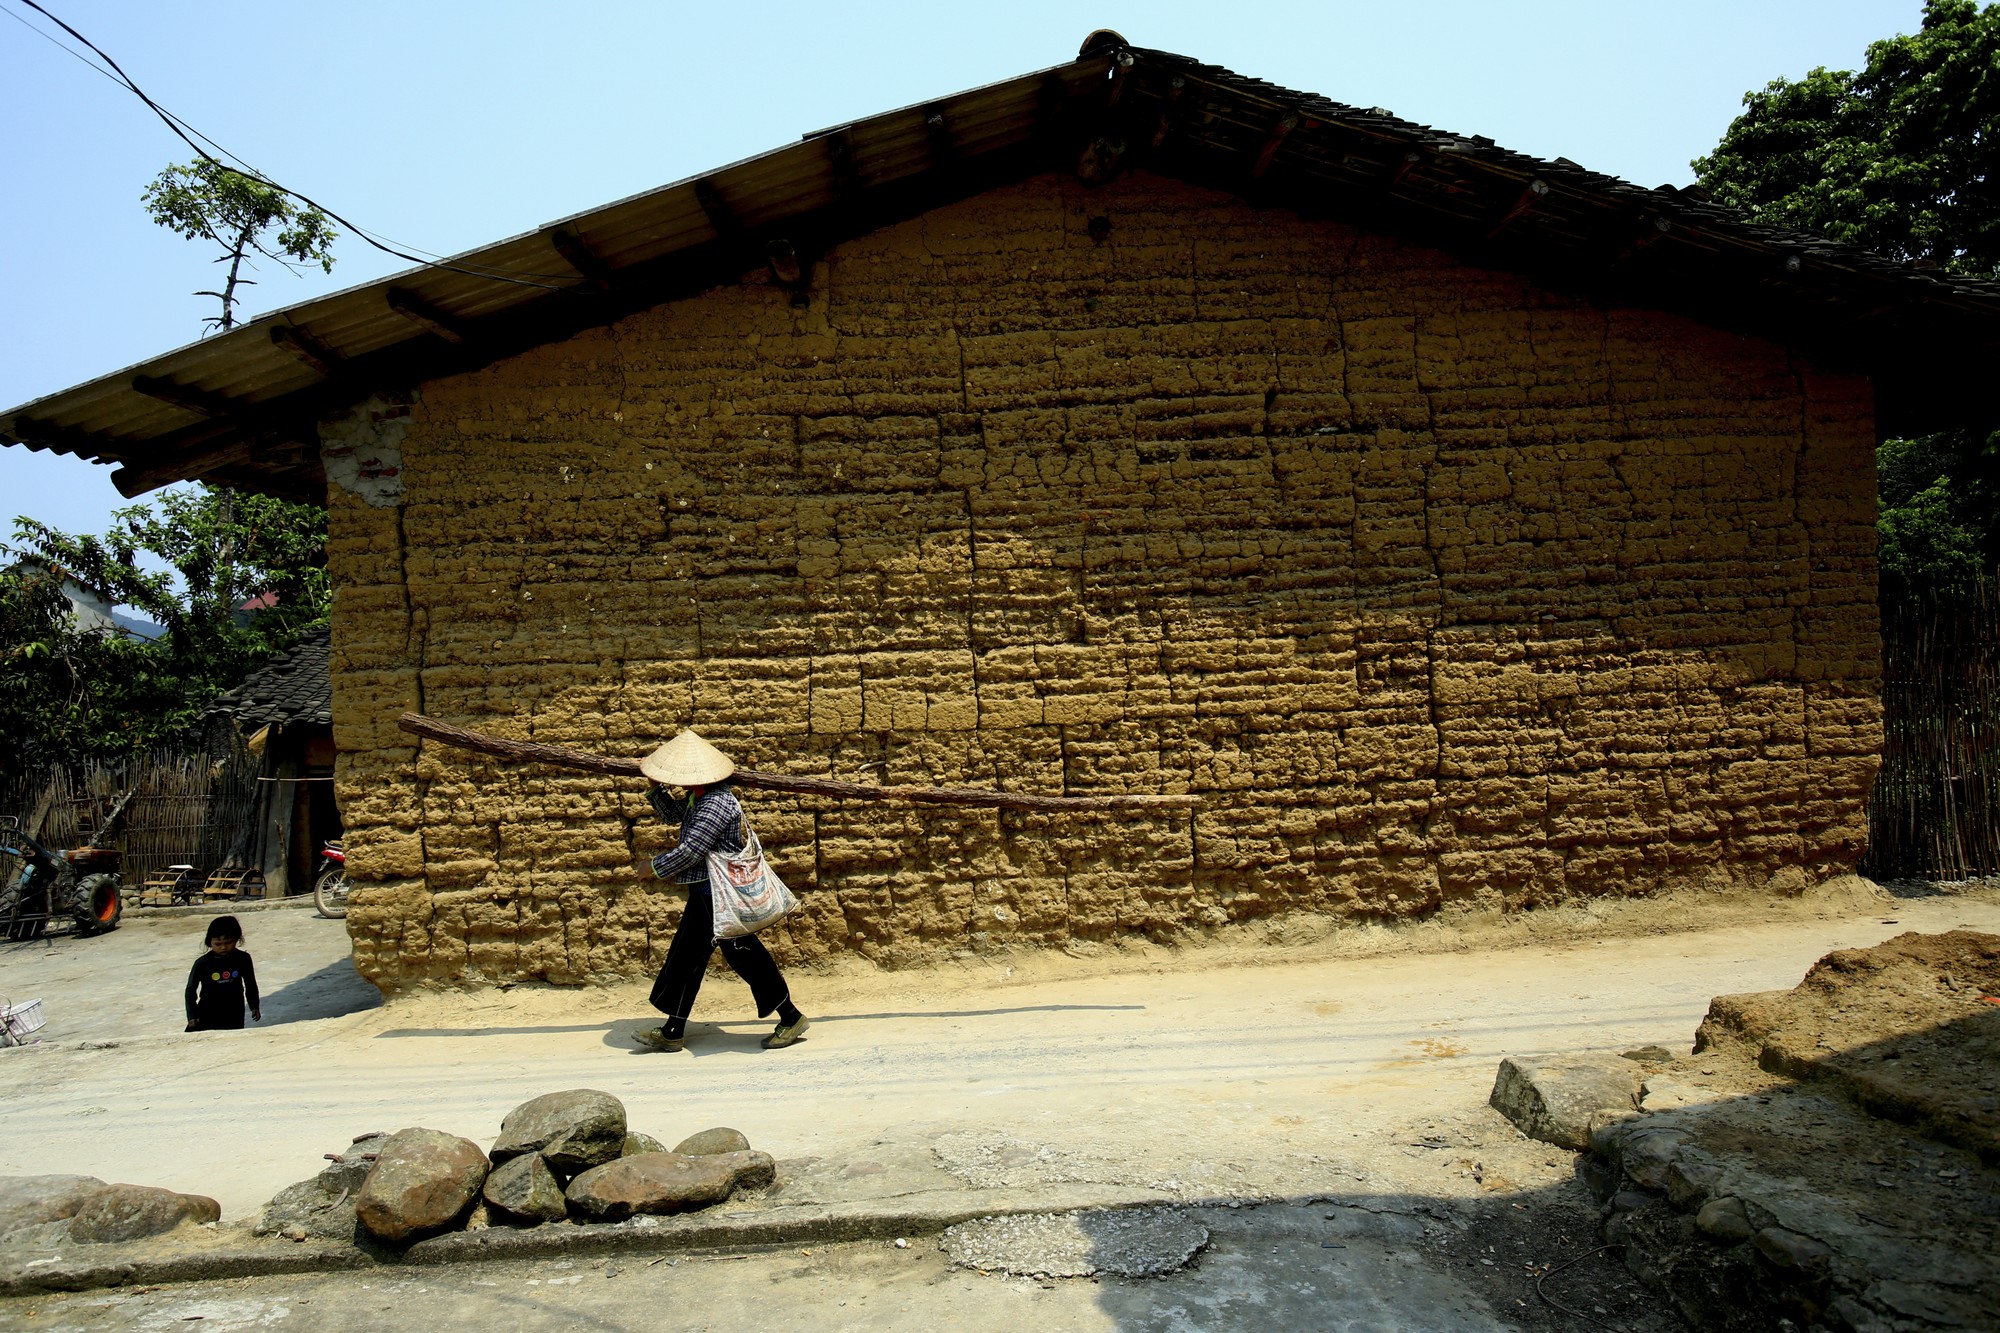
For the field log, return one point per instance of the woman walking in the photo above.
(710, 820)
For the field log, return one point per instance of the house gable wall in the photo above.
(1443, 592)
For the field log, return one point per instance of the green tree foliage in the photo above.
(1940, 513)
(204, 200)
(47, 669)
(1902, 157)
(74, 692)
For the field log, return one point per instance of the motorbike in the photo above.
(81, 885)
(330, 885)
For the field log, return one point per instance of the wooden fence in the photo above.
(1935, 811)
(192, 809)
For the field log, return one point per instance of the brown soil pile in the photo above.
(1908, 1030)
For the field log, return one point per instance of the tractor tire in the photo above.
(99, 904)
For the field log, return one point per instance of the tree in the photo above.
(204, 200)
(45, 667)
(76, 693)
(1903, 157)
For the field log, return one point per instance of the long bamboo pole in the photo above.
(531, 752)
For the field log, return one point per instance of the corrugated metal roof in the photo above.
(239, 407)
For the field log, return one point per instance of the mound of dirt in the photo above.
(1908, 1030)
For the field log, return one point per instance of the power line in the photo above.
(188, 134)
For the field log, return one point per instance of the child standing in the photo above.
(222, 981)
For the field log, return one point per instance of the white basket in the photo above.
(18, 1021)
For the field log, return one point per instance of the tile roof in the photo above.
(293, 687)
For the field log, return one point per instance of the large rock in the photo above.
(523, 1189)
(323, 1206)
(636, 1143)
(712, 1141)
(573, 1131)
(650, 1182)
(1559, 1099)
(423, 1181)
(132, 1212)
(747, 1170)
(32, 1201)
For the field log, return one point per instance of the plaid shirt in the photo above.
(715, 824)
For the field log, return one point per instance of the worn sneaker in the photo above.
(785, 1034)
(656, 1039)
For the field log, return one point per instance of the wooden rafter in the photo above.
(189, 398)
(937, 129)
(579, 256)
(716, 209)
(308, 350)
(425, 315)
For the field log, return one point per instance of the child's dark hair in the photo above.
(224, 928)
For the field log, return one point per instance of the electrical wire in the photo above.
(188, 134)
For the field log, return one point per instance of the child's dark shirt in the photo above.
(220, 986)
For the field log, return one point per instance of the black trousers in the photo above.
(687, 960)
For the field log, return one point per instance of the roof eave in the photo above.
(241, 407)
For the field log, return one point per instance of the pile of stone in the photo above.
(50, 1209)
(564, 1155)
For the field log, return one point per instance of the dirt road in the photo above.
(1193, 1071)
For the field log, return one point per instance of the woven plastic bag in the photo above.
(745, 890)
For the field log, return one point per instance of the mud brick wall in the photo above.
(1444, 591)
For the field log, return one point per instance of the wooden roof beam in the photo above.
(1280, 130)
(717, 210)
(944, 144)
(308, 350)
(790, 269)
(188, 398)
(1402, 167)
(1115, 81)
(596, 274)
(1170, 111)
(1530, 198)
(1052, 107)
(840, 152)
(135, 479)
(427, 316)
(1649, 230)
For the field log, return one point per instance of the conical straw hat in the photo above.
(687, 761)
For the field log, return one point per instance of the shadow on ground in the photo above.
(332, 991)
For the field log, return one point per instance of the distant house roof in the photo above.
(242, 407)
(295, 687)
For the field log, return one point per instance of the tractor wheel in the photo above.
(99, 904)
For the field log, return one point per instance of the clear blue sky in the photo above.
(446, 125)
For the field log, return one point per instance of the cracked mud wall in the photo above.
(1443, 591)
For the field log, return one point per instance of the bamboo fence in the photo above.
(186, 808)
(1935, 810)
